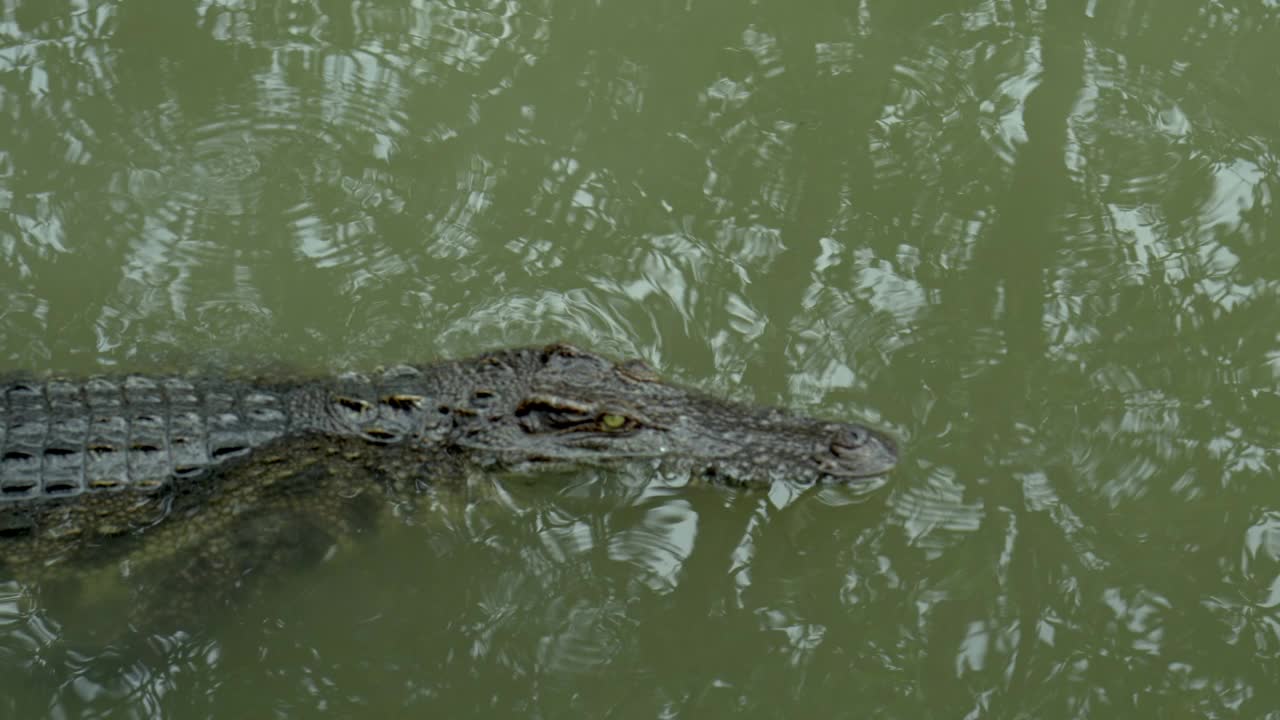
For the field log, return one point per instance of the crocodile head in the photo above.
(562, 406)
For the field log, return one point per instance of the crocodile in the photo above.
(202, 477)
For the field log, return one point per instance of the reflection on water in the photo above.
(477, 588)
(1036, 242)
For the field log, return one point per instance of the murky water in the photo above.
(1033, 241)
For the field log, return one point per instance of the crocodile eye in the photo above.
(851, 437)
(610, 421)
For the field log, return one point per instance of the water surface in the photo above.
(1032, 241)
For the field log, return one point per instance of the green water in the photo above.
(1032, 240)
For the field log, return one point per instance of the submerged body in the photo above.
(219, 476)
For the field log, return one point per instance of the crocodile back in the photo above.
(60, 439)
